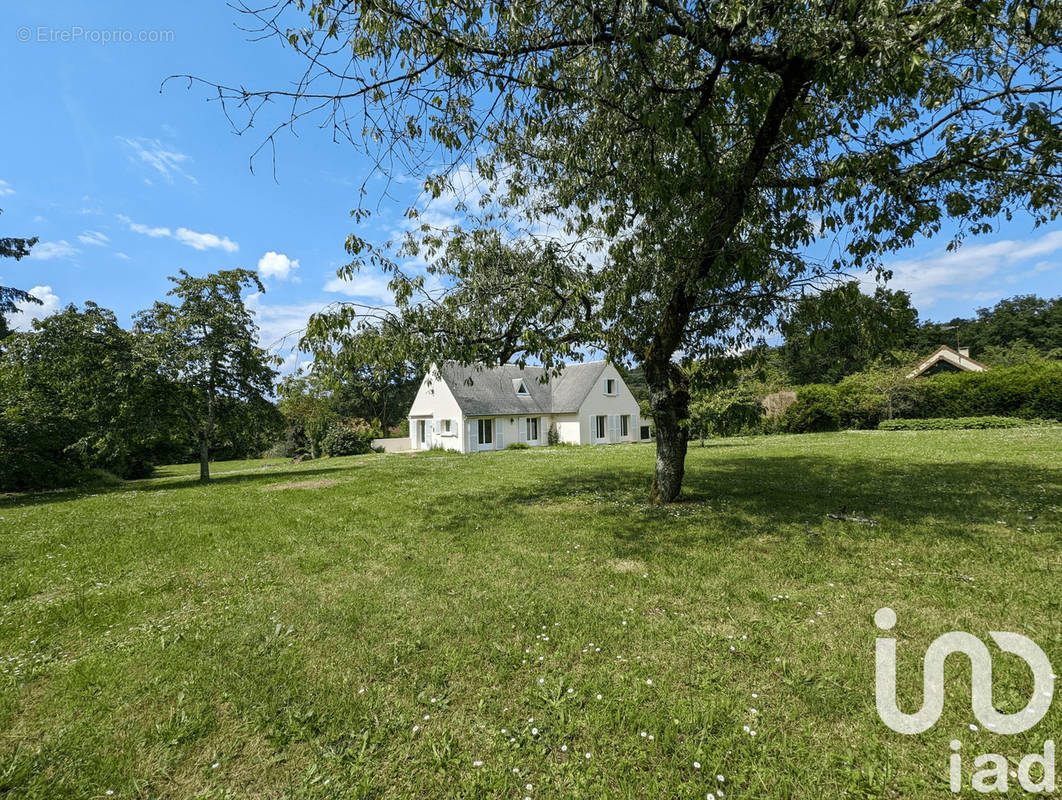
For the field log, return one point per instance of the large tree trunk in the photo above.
(669, 399)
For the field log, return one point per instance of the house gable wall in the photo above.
(435, 402)
(598, 403)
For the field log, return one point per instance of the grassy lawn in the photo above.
(466, 626)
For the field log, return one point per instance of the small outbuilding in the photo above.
(947, 359)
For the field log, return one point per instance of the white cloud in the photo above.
(5, 189)
(122, 256)
(163, 159)
(45, 251)
(22, 320)
(147, 230)
(194, 239)
(93, 238)
(362, 285)
(277, 265)
(965, 273)
(205, 241)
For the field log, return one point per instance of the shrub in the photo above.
(552, 436)
(817, 408)
(351, 438)
(1029, 391)
(956, 423)
(519, 446)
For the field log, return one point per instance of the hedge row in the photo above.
(956, 423)
(1027, 391)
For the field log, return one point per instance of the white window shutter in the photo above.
(521, 428)
(471, 436)
(593, 430)
(613, 424)
(499, 433)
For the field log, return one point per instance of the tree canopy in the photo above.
(689, 153)
(841, 330)
(16, 248)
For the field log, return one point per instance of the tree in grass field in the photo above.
(651, 176)
(207, 347)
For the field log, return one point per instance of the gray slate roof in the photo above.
(486, 391)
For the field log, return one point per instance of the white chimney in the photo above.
(964, 352)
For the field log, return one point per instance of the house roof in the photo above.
(950, 356)
(484, 391)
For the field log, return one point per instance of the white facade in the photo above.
(607, 414)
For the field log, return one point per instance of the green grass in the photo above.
(168, 639)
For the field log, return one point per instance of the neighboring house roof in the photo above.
(947, 359)
(483, 391)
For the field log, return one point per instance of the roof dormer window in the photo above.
(610, 386)
(521, 388)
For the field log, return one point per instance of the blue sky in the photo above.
(125, 184)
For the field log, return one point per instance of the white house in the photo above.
(488, 408)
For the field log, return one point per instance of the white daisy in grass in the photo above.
(541, 680)
(534, 731)
(570, 690)
(720, 778)
(433, 699)
(587, 756)
(529, 787)
(696, 764)
(564, 748)
(477, 763)
(648, 681)
(427, 717)
(599, 697)
(643, 734)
